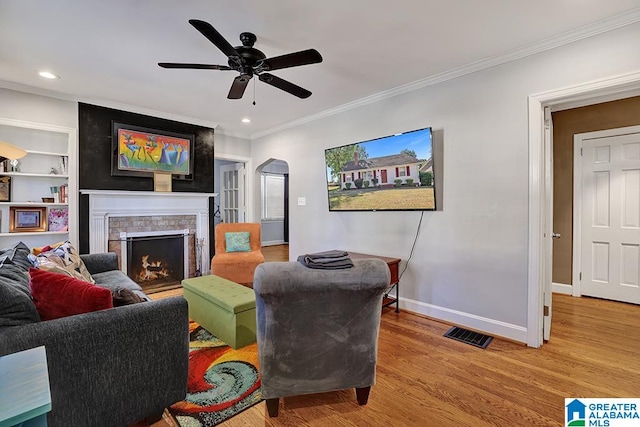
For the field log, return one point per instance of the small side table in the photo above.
(25, 397)
(393, 264)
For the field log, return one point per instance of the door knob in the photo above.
(555, 235)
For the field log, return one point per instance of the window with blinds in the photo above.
(272, 187)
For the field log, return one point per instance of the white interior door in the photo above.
(610, 211)
(548, 224)
(232, 193)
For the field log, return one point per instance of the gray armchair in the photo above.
(317, 330)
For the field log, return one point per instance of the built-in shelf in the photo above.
(50, 148)
(16, 203)
(37, 175)
(45, 153)
(33, 233)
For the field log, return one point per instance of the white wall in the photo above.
(470, 261)
(40, 109)
(230, 145)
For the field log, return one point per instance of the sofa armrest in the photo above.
(99, 263)
(111, 367)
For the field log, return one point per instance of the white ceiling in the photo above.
(107, 51)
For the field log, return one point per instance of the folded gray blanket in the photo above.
(327, 260)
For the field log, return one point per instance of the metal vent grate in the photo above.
(469, 337)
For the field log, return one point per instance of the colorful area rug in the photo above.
(222, 381)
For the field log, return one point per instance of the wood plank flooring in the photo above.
(424, 379)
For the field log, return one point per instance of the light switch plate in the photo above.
(302, 201)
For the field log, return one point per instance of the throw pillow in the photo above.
(237, 241)
(125, 297)
(18, 254)
(58, 295)
(16, 307)
(63, 259)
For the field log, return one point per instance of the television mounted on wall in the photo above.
(392, 173)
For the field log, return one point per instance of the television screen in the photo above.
(393, 173)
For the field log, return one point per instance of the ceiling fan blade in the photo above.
(214, 37)
(239, 85)
(286, 86)
(193, 66)
(304, 57)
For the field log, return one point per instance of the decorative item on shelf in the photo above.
(47, 200)
(64, 162)
(162, 181)
(23, 218)
(59, 219)
(5, 188)
(55, 192)
(15, 165)
(64, 193)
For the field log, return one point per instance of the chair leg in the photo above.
(362, 394)
(272, 406)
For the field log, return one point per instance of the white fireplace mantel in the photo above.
(104, 204)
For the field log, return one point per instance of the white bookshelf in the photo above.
(43, 167)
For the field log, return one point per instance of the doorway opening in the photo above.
(274, 202)
(540, 179)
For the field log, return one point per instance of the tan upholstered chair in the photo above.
(237, 266)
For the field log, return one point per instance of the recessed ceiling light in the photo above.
(48, 75)
(246, 120)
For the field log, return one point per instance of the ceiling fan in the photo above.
(249, 61)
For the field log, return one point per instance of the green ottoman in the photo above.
(222, 307)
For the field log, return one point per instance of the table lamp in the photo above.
(11, 152)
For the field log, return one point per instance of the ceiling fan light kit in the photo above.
(249, 61)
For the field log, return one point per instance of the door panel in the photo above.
(232, 194)
(611, 217)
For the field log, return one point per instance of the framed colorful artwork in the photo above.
(58, 219)
(22, 218)
(140, 151)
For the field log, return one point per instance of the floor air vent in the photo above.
(468, 337)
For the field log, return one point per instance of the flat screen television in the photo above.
(392, 173)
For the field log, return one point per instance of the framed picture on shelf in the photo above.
(23, 218)
(140, 151)
(58, 219)
(5, 188)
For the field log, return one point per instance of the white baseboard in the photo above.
(273, 243)
(459, 318)
(561, 288)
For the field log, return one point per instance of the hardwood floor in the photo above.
(275, 253)
(425, 379)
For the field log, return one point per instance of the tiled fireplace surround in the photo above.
(115, 212)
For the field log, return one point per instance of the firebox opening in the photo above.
(156, 262)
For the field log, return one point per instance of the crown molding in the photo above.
(617, 21)
(105, 103)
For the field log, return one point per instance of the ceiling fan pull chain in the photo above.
(254, 92)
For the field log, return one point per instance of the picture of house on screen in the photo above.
(384, 172)
(390, 173)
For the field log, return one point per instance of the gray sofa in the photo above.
(317, 330)
(106, 368)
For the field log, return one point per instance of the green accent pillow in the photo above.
(237, 241)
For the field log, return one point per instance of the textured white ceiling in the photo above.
(107, 51)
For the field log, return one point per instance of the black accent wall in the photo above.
(95, 154)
